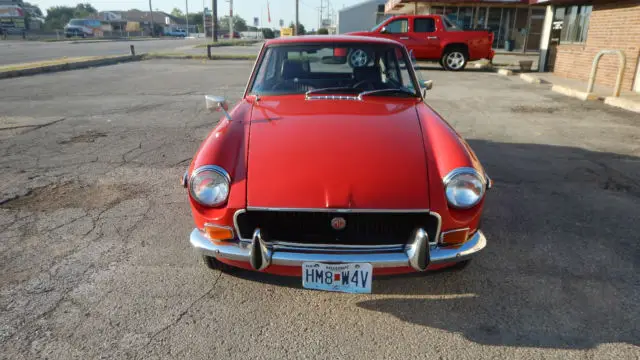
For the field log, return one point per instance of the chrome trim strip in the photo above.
(240, 251)
(337, 210)
(332, 97)
(288, 245)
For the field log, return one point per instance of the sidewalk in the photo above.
(627, 100)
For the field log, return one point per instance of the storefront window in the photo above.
(575, 23)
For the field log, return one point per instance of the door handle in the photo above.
(432, 37)
(404, 38)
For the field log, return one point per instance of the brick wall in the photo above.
(613, 25)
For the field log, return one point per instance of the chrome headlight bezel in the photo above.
(224, 175)
(464, 171)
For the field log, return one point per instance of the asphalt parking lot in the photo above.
(95, 259)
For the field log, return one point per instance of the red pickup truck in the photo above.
(435, 38)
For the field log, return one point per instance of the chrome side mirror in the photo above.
(217, 103)
(425, 86)
(383, 30)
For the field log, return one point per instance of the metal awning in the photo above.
(392, 5)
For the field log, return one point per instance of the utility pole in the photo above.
(186, 5)
(214, 20)
(295, 31)
(230, 19)
(153, 25)
(321, 8)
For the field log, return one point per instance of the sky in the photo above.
(247, 9)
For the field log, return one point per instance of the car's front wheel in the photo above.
(214, 264)
(454, 59)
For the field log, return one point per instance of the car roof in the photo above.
(314, 39)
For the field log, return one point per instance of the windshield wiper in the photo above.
(332, 90)
(397, 91)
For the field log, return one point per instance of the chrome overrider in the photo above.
(418, 253)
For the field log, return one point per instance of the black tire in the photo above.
(461, 265)
(213, 264)
(454, 59)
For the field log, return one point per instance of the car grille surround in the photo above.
(364, 228)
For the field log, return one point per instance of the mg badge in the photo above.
(338, 223)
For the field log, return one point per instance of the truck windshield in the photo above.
(375, 28)
(349, 68)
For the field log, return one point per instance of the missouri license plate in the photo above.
(349, 278)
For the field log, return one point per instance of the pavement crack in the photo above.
(183, 312)
(35, 127)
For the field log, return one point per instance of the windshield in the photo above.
(375, 28)
(334, 69)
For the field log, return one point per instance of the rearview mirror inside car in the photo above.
(217, 103)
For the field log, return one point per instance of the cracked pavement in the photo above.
(94, 226)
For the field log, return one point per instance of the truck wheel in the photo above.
(454, 59)
(358, 58)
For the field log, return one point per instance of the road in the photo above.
(95, 259)
(14, 52)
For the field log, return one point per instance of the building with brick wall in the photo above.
(575, 31)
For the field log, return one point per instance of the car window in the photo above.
(352, 67)
(449, 25)
(398, 26)
(424, 25)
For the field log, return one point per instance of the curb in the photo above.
(623, 103)
(504, 72)
(531, 79)
(68, 66)
(581, 95)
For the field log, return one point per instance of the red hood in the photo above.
(336, 154)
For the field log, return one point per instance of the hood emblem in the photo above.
(338, 223)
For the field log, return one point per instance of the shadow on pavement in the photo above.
(560, 269)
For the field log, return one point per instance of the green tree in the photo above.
(268, 33)
(301, 30)
(196, 19)
(323, 31)
(177, 13)
(31, 9)
(239, 24)
(58, 17)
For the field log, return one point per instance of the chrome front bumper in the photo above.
(418, 253)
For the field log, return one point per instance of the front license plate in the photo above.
(349, 278)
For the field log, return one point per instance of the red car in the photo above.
(334, 173)
(435, 38)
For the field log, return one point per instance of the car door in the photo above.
(426, 38)
(399, 30)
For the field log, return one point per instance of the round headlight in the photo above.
(209, 185)
(464, 187)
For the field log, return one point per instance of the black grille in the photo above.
(315, 227)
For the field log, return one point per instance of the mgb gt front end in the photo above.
(335, 171)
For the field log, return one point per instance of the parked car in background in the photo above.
(175, 32)
(83, 28)
(334, 173)
(225, 35)
(435, 38)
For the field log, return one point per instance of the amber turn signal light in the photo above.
(217, 232)
(455, 237)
